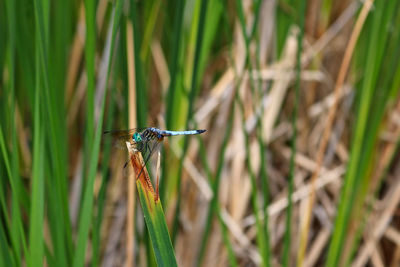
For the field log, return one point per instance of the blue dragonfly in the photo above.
(145, 140)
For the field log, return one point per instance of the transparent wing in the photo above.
(122, 134)
(120, 137)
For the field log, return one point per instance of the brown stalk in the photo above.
(130, 220)
(137, 163)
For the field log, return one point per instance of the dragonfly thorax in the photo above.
(151, 134)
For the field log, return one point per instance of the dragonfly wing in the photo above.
(121, 134)
(120, 137)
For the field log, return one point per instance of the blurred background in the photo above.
(299, 165)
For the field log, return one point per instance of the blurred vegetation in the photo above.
(299, 165)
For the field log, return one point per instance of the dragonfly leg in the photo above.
(147, 159)
(148, 148)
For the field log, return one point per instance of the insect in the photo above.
(146, 140)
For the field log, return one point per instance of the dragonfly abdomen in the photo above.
(171, 133)
(154, 133)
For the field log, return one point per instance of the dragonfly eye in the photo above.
(137, 138)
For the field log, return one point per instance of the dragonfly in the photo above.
(145, 140)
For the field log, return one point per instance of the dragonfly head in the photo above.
(137, 138)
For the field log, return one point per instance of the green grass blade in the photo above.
(157, 227)
(153, 212)
(286, 15)
(174, 95)
(192, 94)
(376, 90)
(102, 193)
(149, 29)
(90, 49)
(175, 46)
(267, 254)
(225, 232)
(36, 242)
(351, 186)
(60, 214)
(3, 32)
(215, 189)
(5, 253)
(262, 230)
(141, 92)
(225, 236)
(14, 233)
(261, 235)
(287, 236)
(15, 180)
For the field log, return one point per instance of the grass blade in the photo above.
(153, 214)
(287, 236)
(90, 49)
(192, 94)
(350, 186)
(36, 242)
